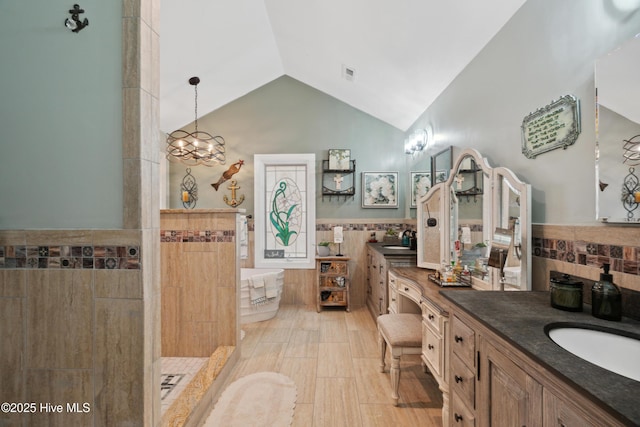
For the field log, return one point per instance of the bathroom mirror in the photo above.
(511, 211)
(475, 201)
(441, 165)
(470, 225)
(617, 80)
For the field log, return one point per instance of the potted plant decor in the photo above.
(323, 248)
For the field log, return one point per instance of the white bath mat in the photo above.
(260, 399)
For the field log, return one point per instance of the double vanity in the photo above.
(496, 364)
(489, 345)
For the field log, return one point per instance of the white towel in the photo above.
(257, 295)
(271, 286)
(257, 289)
(244, 238)
(465, 235)
(257, 280)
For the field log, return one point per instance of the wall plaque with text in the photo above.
(553, 126)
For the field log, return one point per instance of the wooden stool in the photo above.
(402, 332)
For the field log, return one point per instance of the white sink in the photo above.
(608, 348)
(396, 247)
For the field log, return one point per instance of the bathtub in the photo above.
(250, 313)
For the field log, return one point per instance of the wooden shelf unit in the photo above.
(333, 283)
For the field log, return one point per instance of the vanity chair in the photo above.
(402, 333)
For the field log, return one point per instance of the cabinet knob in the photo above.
(431, 317)
(458, 338)
(406, 289)
(458, 378)
(430, 346)
(457, 417)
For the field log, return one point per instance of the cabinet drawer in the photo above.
(393, 300)
(463, 341)
(463, 381)
(432, 349)
(409, 290)
(392, 282)
(431, 317)
(461, 416)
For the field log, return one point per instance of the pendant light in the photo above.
(197, 147)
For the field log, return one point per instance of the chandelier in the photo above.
(197, 147)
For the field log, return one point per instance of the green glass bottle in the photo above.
(606, 299)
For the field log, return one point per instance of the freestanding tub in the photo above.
(250, 313)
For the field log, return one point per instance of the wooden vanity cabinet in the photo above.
(433, 343)
(508, 395)
(377, 283)
(462, 373)
(560, 412)
(378, 292)
(435, 348)
(494, 384)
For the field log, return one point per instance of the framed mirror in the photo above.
(430, 228)
(511, 212)
(618, 134)
(441, 165)
(475, 205)
(470, 223)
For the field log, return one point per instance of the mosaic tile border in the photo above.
(70, 257)
(191, 236)
(624, 259)
(364, 227)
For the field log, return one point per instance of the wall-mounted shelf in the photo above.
(471, 186)
(338, 182)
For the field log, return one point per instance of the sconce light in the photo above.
(417, 141)
(74, 23)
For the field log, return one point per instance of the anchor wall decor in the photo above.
(234, 201)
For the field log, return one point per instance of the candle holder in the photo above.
(189, 190)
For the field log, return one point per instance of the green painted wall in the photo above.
(287, 116)
(547, 50)
(60, 116)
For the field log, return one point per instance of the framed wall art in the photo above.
(379, 189)
(420, 184)
(339, 159)
(552, 126)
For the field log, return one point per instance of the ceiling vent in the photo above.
(348, 73)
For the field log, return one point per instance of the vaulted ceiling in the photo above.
(388, 58)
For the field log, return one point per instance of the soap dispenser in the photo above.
(606, 299)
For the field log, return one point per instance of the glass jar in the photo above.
(566, 294)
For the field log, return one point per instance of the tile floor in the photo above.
(177, 372)
(332, 357)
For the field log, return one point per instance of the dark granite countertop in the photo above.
(520, 317)
(390, 253)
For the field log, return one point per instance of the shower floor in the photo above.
(176, 373)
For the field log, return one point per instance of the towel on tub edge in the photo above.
(263, 289)
(271, 286)
(257, 289)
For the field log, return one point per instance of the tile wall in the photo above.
(581, 250)
(611, 240)
(72, 325)
(198, 281)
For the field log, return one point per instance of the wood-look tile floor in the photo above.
(333, 358)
